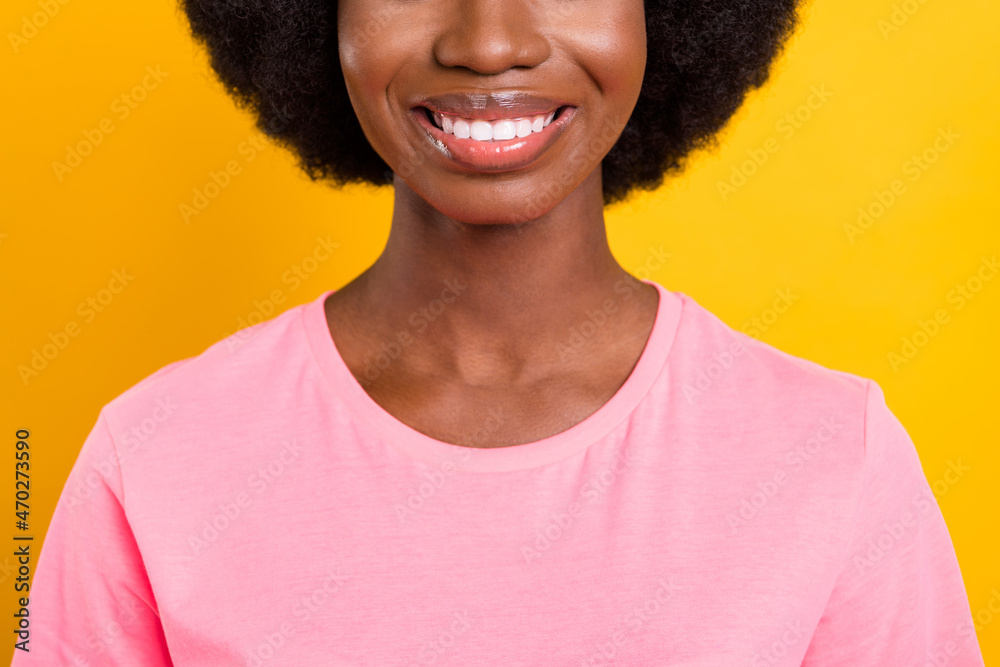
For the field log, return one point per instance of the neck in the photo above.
(491, 298)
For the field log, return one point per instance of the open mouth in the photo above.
(496, 144)
(499, 129)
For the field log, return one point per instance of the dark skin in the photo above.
(531, 266)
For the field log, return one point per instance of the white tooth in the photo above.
(481, 130)
(503, 130)
(437, 119)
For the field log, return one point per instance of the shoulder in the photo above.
(729, 373)
(226, 375)
(756, 412)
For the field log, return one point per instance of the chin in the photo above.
(496, 205)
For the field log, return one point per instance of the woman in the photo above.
(495, 446)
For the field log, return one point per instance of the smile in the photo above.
(495, 130)
(493, 144)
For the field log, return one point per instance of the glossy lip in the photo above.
(495, 156)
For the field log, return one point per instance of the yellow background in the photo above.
(784, 228)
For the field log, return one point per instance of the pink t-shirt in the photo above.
(730, 505)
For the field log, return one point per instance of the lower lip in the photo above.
(495, 156)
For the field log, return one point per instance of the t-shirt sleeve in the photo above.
(90, 601)
(899, 598)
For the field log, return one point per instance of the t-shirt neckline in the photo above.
(498, 459)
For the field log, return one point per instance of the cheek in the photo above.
(369, 68)
(364, 75)
(612, 49)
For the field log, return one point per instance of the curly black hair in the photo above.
(279, 58)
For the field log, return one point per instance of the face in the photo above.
(493, 111)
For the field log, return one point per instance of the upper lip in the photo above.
(490, 105)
